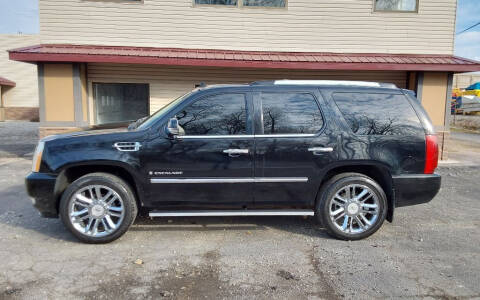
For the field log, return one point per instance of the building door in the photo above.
(211, 165)
(293, 145)
(120, 102)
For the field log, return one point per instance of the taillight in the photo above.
(431, 153)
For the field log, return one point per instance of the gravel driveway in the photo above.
(430, 251)
(17, 138)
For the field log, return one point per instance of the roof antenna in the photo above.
(200, 85)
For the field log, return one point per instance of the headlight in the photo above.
(37, 157)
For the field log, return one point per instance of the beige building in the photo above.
(109, 61)
(465, 80)
(19, 100)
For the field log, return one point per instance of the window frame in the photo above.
(257, 98)
(240, 5)
(248, 123)
(375, 10)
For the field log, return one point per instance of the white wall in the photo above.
(306, 25)
(25, 93)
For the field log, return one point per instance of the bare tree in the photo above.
(388, 4)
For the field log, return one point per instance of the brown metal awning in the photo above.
(5, 81)
(243, 59)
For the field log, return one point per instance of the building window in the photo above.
(247, 3)
(217, 2)
(265, 3)
(396, 5)
(120, 102)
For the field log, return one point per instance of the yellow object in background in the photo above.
(472, 92)
(456, 92)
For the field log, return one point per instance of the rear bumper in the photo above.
(41, 187)
(415, 189)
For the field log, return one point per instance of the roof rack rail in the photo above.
(326, 82)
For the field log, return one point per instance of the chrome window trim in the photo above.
(286, 135)
(230, 180)
(245, 136)
(191, 137)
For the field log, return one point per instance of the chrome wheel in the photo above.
(354, 209)
(96, 210)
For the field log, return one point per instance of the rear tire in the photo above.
(351, 206)
(98, 208)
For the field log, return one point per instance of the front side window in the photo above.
(247, 3)
(223, 114)
(378, 114)
(290, 113)
(396, 5)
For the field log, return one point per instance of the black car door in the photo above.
(294, 144)
(211, 165)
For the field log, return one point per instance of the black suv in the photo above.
(347, 152)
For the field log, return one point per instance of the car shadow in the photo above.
(298, 225)
(17, 150)
(16, 210)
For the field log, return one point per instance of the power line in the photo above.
(467, 29)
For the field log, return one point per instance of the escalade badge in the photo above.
(157, 173)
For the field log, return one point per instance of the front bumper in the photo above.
(41, 187)
(415, 189)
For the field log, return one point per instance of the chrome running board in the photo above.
(215, 213)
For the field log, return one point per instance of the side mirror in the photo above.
(173, 128)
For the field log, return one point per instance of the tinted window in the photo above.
(290, 113)
(223, 114)
(378, 114)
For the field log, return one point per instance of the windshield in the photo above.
(161, 112)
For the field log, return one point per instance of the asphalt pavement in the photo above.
(430, 251)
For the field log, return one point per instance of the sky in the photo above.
(21, 16)
(468, 44)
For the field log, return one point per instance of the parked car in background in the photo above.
(349, 153)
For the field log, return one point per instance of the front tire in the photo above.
(351, 206)
(98, 208)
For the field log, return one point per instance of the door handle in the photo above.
(318, 150)
(235, 152)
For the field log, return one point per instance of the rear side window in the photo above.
(290, 113)
(378, 114)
